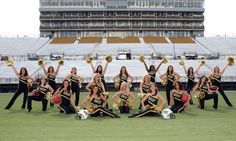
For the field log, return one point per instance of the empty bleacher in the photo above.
(186, 40)
(155, 40)
(123, 40)
(20, 46)
(90, 40)
(63, 40)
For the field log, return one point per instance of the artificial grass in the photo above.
(192, 125)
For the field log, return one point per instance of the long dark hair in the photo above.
(40, 83)
(200, 80)
(50, 67)
(98, 92)
(126, 72)
(180, 85)
(21, 71)
(97, 71)
(189, 69)
(62, 86)
(151, 68)
(168, 72)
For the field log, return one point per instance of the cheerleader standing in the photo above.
(204, 93)
(150, 105)
(191, 76)
(123, 76)
(67, 105)
(22, 87)
(170, 77)
(152, 71)
(75, 81)
(100, 71)
(43, 90)
(51, 77)
(177, 106)
(124, 99)
(215, 79)
(97, 103)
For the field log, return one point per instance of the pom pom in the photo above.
(164, 60)
(40, 62)
(141, 58)
(181, 62)
(230, 61)
(61, 62)
(89, 59)
(202, 62)
(109, 58)
(9, 62)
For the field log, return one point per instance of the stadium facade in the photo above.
(81, 18)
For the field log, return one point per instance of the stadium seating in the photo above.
(224, 46)
(123, 40)
(63, 40)
(155, 40)
(21, 46)
(181, 40)
(90, 40)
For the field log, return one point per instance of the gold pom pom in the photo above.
(77, 108)
(141, 95)
(89, 59)
(109, 58)
(230, 61)
(106, 95)
(40, 62)
(117, 84)
(202, 62)
(141, 58)
(164, 60)
(61, 62)
(181, 62)
(129, 84)
(9, 62)
(164, 81)
(115, 106)
(80, 84)
(200, 95)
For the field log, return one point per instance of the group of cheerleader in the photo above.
(151, 101)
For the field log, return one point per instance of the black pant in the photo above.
(213, 96)
(177, 107)
(148, 112)
(189, 89)
(103, 112)
(124, 109)
(169, 88)
(221, 91)
(54, 89)
(17, 93)
(37, 98)
(67, 109)
(76, 91)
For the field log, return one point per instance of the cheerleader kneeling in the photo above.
(67, 105)
(205, 92)
(150, 105)
(40, 94)
(176, 103)
(123, 99)
(97, 104)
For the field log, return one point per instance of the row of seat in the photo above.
(71, 40)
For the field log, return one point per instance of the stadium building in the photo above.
(106, 18)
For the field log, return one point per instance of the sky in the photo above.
(22, 17)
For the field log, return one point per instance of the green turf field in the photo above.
(192, 125)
